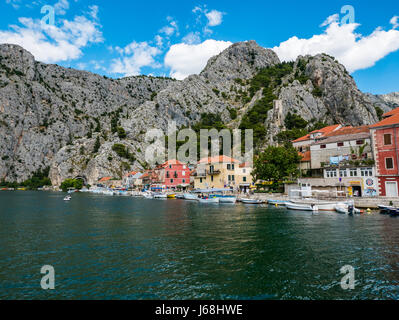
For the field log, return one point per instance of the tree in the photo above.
(71, 183)
(276, 164)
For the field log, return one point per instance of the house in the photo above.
(303, 145)
(342, 161)
(217, 172)
(245, 179)
(133, 180)
(386, 149)
(172, 174)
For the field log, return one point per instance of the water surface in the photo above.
(125, 248)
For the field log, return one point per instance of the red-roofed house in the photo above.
(386, 152)
(303, 144)
(173, 174)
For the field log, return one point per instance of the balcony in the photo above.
(213, 172)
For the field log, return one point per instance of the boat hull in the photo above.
(209, 200)
(228, 200)
(251, 201)
(189, 196)
(301, 207)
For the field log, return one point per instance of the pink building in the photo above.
(173, 174)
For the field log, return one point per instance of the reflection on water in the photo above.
(126, 248)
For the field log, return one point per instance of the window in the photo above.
(366, 172)
(353, 172)
(343, 173)
(232, 167)
(331, 173)
(167, 174)
(387, 139)
(232, 178)
(389, 163)
(244, 179)
(170, 166)
(360, 142)
(212, 178)
(171, 180)
(340, 144)
(323, 146)
(184, 180)
(200, 180)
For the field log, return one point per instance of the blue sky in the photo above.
(175, 38)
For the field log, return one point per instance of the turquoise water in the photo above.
(125, 248)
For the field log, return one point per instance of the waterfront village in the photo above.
(336, 162)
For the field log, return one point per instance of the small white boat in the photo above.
(208, 200)
(301, 206)
(251, 201)
(227, 199)
(67, 198)
(148, 195)
(343, 209)
(190, 196)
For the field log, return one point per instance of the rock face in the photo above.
(67, 119)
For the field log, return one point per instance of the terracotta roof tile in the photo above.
(391, 113)
(348, 130)
(324, 131)
(392, 120)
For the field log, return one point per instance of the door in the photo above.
(391, 188)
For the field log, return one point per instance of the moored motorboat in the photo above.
(67, 198)
(160, 196)
(171, 196)
(251, 201)
(227, 199)
(190, 196)
(208, 200)
(301, 206)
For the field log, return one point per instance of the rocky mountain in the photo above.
(81, 124)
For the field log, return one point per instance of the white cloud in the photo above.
(186, 59)
(135, 56)
(171, 28)
(394, 21)
(353, 50)
(61, 7)
(53, 43)
(215, 18)
(192, 38)
(15, 3)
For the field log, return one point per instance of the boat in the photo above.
(180, 196)
(148, 195)
(385, 209)
(209, 200)
(251, 201)
(71, 191)
(190, 196)
(171, 196)
(302, 206)
(227, 199)
(160, 196)
(344, 209)
(67, 198)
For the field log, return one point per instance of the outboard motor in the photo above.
(351, 209)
